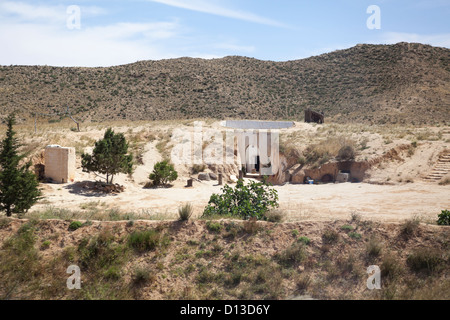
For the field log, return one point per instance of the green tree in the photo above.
(109, 157)
(163, 173)
(18, 185)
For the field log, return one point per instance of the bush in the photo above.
(163, 173)
(330, 236)
(147, 240)
(304, 240)
(425, 260)
(409, 227)
(244, 201)
(142, 276)
(374, 247)
(390, 267)
(347, 228)
(293, 255)
(74, 225)
(354, 235)
(444, 218)
(214, 226)
(275, 215)
(346, 153)
(185, 212)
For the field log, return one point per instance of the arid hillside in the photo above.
(223, 259)
(402, 83)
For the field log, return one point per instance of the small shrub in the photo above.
(295, 233)
(346, 153)
(74, 225)
(425, 260)
(112, 273)
(215, 227)
(330, 236)
(45, 245)
(275, 215)
(142, 276)
(390, 267)
(373, 247)
(354, 235)
(147, 240)
(293, 255)
(232, 229)
(409, 227)
(185, 212)
(347, 228)
(355, 217)
(444, 218)
(302, 283)
(4, 222)
(304, 240)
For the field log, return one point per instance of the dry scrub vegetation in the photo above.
(223, 259)
(401, 83)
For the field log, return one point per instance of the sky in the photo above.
(104, 33)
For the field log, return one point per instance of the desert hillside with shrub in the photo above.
(402, 83)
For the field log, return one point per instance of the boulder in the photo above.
(213, 176)
(204, 176)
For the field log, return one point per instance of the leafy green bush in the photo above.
(444, 218)
(163, 173)
(347, 228)
(74, 225)
(244, 201)
(304, 240)
(354, 235)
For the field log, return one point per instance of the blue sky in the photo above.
(113, 32)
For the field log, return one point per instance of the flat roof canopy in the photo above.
(253, 124)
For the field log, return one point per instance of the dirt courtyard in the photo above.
(301, 202)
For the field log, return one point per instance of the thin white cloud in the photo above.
(439, 40)
(38, 34)
(212, 8)
(31, 44)
(26, 12)
(234, 47)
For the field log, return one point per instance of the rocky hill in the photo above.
(401, 83)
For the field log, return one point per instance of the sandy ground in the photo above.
(300, 202)
(394, 202)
